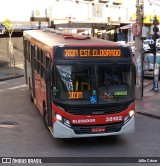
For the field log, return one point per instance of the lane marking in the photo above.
(16, 87)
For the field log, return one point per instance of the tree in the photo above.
(8, 29)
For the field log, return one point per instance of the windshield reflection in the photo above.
(89, 84)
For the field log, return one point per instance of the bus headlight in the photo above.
(131, 113)
(129, 116)
(65, 121)
(59, 117)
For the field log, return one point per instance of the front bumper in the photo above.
(62, 131)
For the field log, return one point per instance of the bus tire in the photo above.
(45, 115)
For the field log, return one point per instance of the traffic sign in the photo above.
(136, 29)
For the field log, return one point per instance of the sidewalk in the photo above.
(149, 105)
(7, 72)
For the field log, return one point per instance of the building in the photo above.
(108, 19)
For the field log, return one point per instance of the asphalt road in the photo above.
(22, 133)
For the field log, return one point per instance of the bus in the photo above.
(82, 86)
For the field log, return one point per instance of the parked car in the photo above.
(132, 45)
(146, 43)
(121, 42)
(158, 43)
(149, 59)
(1, 29)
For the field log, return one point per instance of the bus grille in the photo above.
(94, 110)
(88, 129)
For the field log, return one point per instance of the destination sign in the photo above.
(69, 53)
(92, 52)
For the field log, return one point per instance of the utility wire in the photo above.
(154, 2)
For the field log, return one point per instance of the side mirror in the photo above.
(48, 74)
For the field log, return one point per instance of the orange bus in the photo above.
(82, 86)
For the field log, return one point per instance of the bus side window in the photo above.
(35, 60)
(39, 61)
(47, 62)
(42, 64)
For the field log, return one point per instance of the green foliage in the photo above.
(9, 26)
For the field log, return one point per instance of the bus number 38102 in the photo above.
(114, 119)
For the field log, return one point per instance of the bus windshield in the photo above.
(93, 84)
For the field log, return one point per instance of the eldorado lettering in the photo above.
(84, 121)
(106, 52)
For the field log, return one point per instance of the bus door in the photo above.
(26, 52)
(48, 91)
(38, 78)
(32, 74)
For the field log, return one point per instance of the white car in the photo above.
(146, 43)
(132, 45)
(121, 42)
(149, 58)
(158, 43)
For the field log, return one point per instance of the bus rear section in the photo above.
(88, 90)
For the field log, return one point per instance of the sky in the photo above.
(21, 10)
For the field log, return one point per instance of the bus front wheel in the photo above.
(45, 116)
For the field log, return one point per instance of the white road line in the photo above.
(16, 87)
(3, 82)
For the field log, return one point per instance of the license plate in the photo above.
(98, 130)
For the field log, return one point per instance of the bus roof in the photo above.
(53, 39)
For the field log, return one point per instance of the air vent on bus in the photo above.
(49, 30)
(67, 34)
(75, 36)
(116, 127)
(97, 110)
(59, 32)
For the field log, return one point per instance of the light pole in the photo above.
(139, 50)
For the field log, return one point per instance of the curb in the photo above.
(11, 77)
(149, 115)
